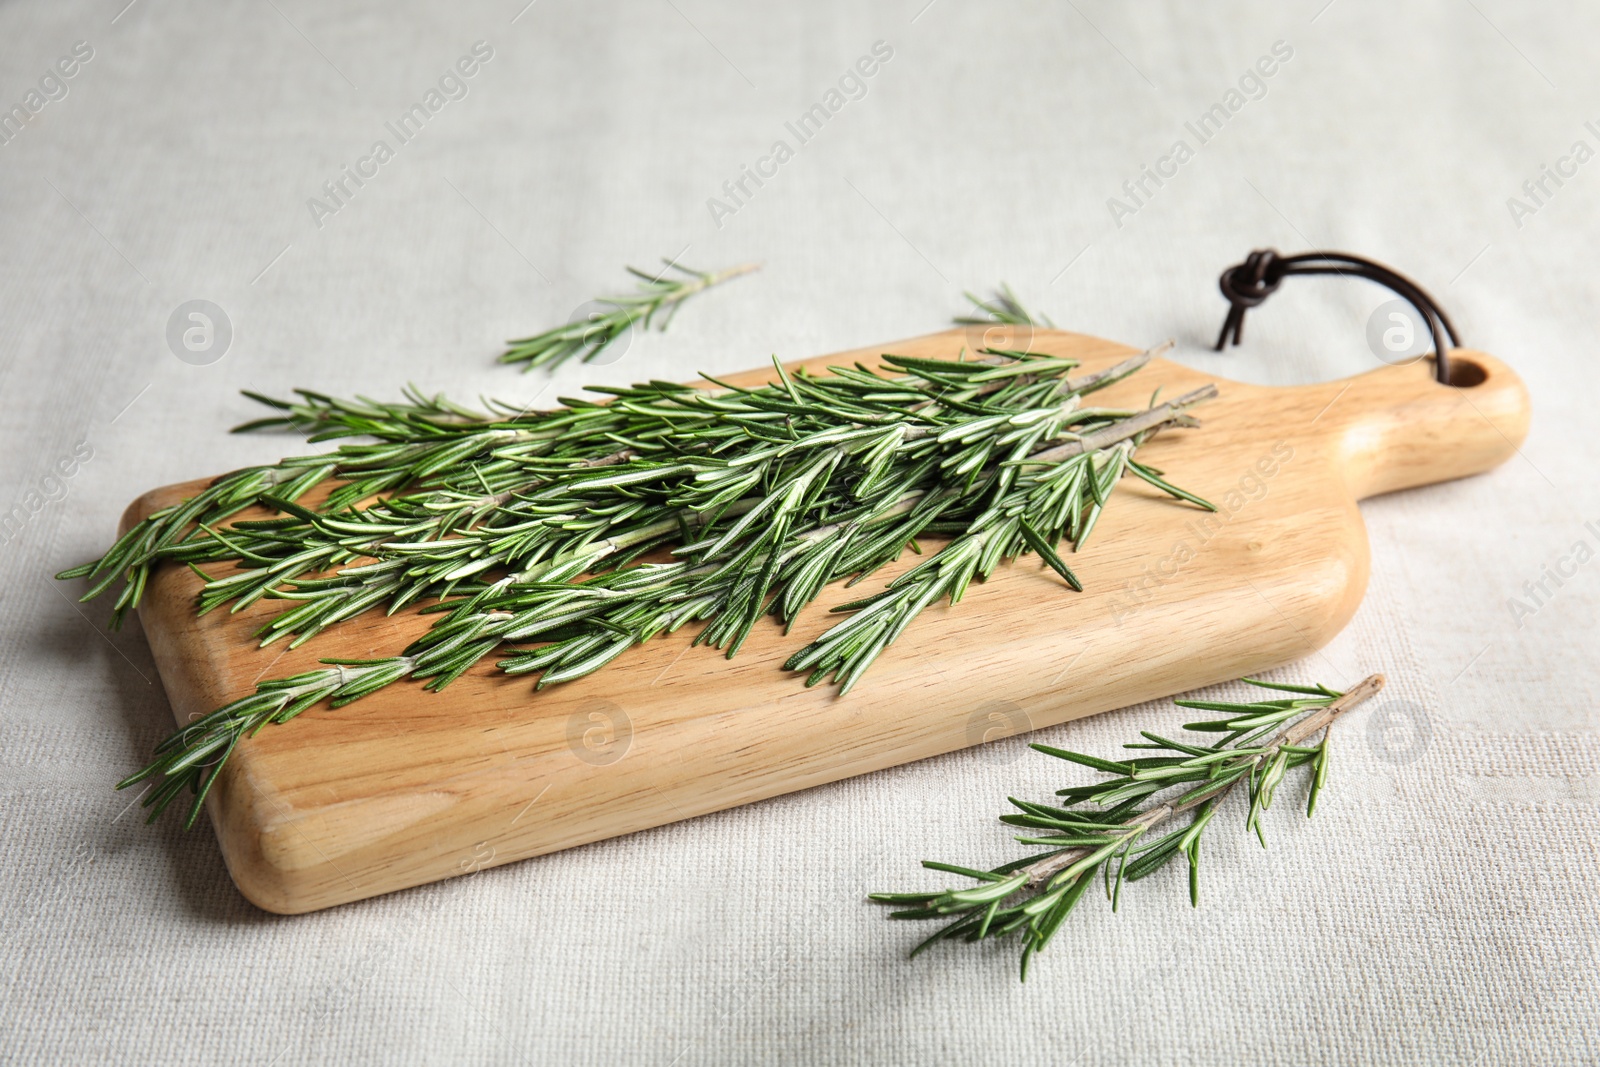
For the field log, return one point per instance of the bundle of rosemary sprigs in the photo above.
(527, 534)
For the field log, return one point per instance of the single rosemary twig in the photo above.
(1033, 896)
(1003, 308)
(588, 337)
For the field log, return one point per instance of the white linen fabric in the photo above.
(1444, 905)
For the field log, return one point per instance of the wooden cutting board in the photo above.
(406, 787)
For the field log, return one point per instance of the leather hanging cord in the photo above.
(1248, 284)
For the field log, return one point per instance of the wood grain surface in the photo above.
(406, 787)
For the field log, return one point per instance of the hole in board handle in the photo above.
(1464, 373)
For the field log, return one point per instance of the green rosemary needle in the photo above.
(587, 337)
(1111, 823)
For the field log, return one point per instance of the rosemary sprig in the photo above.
(589, 336)
(1003, 308)
(1110, 824)
(524, 529)
(417, 447)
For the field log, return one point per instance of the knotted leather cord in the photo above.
(1248, 284)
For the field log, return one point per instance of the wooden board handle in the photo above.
(1397, 427)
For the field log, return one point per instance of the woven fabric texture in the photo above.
(1444, 905)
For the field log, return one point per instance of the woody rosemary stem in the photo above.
(1045, 869)
(706, 281)
(1157, 417)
